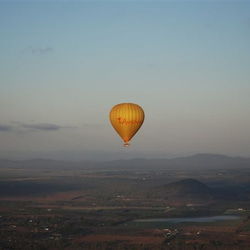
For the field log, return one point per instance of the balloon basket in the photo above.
(126, 145)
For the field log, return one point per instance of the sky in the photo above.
(65, 64)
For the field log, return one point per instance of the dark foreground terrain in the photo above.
(199, 202)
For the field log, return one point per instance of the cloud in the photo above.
(5, 128)
(42, 126)
(40, 51)
(21, 127)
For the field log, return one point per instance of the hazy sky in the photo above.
(64, 64)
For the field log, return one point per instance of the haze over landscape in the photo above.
(195, 202)
(64, 64)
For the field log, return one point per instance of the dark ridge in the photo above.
(188, 186)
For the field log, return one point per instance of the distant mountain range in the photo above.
(209, 161)
(198, 161)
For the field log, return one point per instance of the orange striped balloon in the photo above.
(126, 119)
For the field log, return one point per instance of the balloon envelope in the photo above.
(126, 119)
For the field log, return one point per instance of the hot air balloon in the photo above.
(126, 119)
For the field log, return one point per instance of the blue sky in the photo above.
(64, 64)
